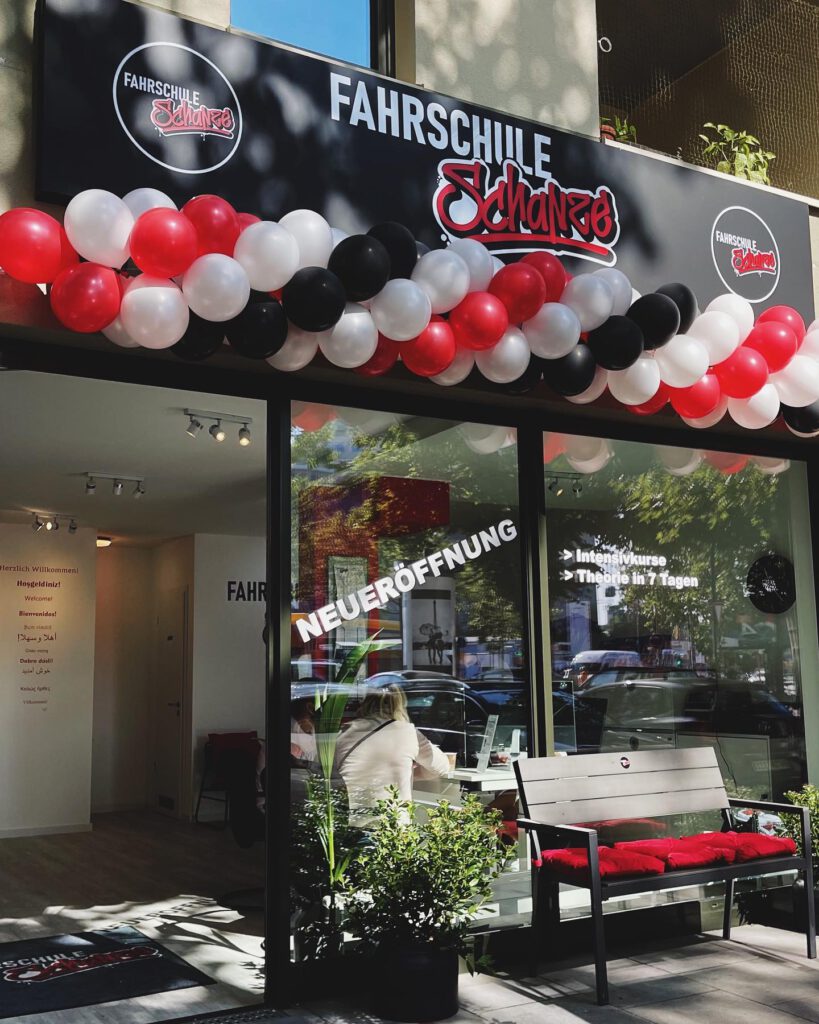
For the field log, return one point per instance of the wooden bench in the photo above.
(557, 793)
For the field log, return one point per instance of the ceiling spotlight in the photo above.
(117, 487)
(72, 526)
(38, 524)
(139, 490)
(52, 525)
(104, 542)
(244, 436)
(577, 488)
(90, 486)
(217, 432)
(193, 427)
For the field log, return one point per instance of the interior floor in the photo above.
(155, 873)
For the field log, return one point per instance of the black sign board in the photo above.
(130, 96)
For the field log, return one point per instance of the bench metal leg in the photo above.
(727, 908)
(810, 914)
(599, 935)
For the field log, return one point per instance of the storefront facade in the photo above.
(537, 576)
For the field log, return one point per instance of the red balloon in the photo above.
(68, 254)
(784, 315)
(216, 222)
(775, 341)
(163, 242)
(246, 219)
(697, 400)
(30, 245)
(86, 297)
(726, 462)
(521, 288)
(310, 416)
(383, 359)
(554, 445)
(551, 270)
(743, 373)
(659, 401)
(479, 320)
(432, 351)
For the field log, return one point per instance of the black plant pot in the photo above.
(799, 909)
(416, 983)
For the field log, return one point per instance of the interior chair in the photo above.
(212, 783)
(247, 822)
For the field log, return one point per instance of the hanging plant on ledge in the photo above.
(737, 153)
(190, 280)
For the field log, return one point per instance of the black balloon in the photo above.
(203, 338)
(657, 317)
(616, 344)
(571, 374)
(529, 379)
(314, 299)
(804, 420)
(259, 330)
(362, 264)
(400, 244)
(685, 301)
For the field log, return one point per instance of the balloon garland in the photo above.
(147, 274)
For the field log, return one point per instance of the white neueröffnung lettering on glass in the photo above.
(404, 579)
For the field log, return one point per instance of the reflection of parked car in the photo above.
(587, 664)
(454, 715)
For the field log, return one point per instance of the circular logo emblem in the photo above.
(624, 762)
(177, 107)
(771, 584)
(745, 253)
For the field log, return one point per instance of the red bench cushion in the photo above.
(681, 853)
(747, 845)
(574, 863)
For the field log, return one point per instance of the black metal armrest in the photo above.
(581, 836)
(766, 805)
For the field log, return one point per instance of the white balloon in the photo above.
(216, 287)
(635, 295)
(353, 340)
(139, 200)
(444, 276)
(483, 438)
(313, 235)
(591, 299)
(553, 331)
(798, 433)
(116, 332)
(594, 390)
(770, 466)
(718, 331)
(813, 326)
(679, 461)
(269, 255)
(154, 312)
(810, 344)
(365, 421)
(401, 310)
(458, 370)
(587, 454)
(507, 359)
(755, 412)
(637, 383)
(497, 265)
(479, 261)
(682, 361)
(739, 309)
(798, 383)
(98, 225)
(620, 288)
(297, 351)
(711, 419)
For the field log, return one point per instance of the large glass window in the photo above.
(406, 594)
(335, 28)
(673, 611)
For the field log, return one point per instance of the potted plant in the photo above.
(807, 796)
(737, 153)
(415, 888)
(618, 130)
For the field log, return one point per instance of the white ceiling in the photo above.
(54, 429)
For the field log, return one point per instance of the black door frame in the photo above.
(286, 982)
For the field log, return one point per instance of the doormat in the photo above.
(59, 972)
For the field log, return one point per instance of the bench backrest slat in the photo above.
(632, 784)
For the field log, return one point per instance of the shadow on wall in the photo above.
(532, 58)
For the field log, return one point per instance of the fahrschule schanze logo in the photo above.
(745, 253)
(177, 107)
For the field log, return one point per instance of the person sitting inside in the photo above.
(382, 748)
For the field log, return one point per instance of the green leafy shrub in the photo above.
(422, 879)
(737, 153)
(807, 796)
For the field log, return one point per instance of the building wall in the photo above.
(122, 676)
(531, 58)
